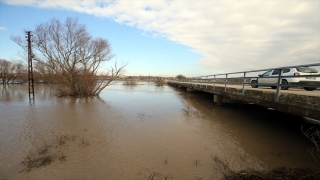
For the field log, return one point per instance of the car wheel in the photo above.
(284, 82)
(309, 88)
(254, 82)
(274, 87)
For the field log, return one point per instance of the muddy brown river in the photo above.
(142, 132)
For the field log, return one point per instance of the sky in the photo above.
(171, 37)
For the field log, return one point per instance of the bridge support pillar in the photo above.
(223, 99)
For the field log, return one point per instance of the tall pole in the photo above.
(30, 70)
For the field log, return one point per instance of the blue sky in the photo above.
(166, 38)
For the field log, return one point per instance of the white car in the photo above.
(296, 72)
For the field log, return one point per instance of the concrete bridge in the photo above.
(295, 101)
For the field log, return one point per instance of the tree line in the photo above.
(10, 71)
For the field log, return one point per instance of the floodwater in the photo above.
(143, 132)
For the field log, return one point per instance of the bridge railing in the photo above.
(245, 80)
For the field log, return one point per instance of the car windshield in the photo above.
(266, 73)
(306, 70)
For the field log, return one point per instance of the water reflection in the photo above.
(10, 91)
(130, 131)
(269, 136)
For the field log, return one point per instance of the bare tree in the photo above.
(10, 71)
(180, 77)
(66, 54)
(313, 134)
(159, 81)
(4, 68)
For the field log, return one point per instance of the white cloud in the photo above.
(231, 35)
(2, 28)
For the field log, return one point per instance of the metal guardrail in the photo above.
(214, 80)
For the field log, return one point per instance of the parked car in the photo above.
(298, 71)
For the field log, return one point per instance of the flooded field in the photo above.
(141, 132)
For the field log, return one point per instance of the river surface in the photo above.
(143, 132)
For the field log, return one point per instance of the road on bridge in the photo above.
(291, 90)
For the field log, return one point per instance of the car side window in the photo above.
(286, 70)
(275, 72)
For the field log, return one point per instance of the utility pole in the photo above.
(30, 70)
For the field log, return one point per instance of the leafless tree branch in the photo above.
(313, 134)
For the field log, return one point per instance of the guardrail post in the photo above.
(279, 83)
(244, 80)
(225, 83)
(207, 82)
(214, 82)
